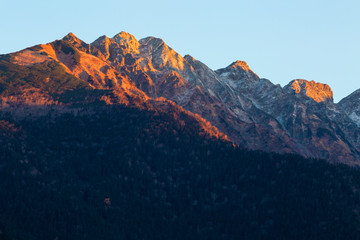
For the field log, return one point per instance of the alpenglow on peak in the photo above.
(319, 92)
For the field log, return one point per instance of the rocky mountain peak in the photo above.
(319, 92)
(103, 38)
(103, 45)
(127, 40)
(351, 106)
(153, 42)
(189, 58)
(161, 55)
(82, 46)
(71, 36)
(238, 71)
(124, 35)
(240, 65)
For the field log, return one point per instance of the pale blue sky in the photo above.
(280, 40)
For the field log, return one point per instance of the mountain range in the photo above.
(252, 112)
(127, 139)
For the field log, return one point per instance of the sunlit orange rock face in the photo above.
(131, 45)
(319, 92)
(241, 64)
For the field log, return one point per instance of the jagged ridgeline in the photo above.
(299, 118)
(127, 139)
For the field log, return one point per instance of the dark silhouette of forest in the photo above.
(115, 172)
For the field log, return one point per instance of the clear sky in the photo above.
(280, 40)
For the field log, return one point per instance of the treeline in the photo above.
(122, 173)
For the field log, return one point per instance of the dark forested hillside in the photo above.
(115, 172)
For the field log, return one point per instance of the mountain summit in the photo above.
(238, 70)
(319, 92)
(240, 64)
